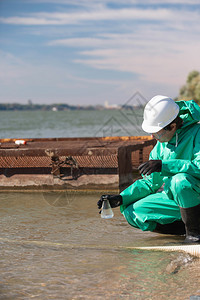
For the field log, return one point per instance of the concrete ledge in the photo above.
(48, 182)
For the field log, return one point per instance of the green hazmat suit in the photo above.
(157, 198)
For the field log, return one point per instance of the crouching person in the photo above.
(167, 198)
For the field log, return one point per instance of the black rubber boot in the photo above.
(175, 228)
(191, 219)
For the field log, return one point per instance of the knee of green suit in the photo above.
(155, 208)
(185, 189)
(138, 219)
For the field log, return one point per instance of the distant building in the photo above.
(111, 106)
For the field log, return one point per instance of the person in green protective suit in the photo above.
(167, 198)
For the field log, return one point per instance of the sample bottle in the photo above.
(106, 210)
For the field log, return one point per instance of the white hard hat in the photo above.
(158, 113)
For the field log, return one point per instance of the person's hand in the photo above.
(150, 166)
(115, 200)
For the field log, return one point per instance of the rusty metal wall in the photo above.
(25, 162)
(140, 156)
(72, 158)
(89, 161)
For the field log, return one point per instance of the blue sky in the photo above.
(91, 51)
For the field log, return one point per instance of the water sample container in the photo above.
(106, 210)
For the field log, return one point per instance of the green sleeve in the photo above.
(140, 189)
(171, 167)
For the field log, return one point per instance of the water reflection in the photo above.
(93, 267)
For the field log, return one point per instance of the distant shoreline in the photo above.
(59, 107)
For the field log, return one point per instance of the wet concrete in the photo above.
(48, 182)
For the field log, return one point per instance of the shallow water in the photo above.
(56, 246)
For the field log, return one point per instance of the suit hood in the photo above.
(189, 112)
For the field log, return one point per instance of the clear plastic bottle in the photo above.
(106, 210)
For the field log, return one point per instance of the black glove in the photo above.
(150, 167)
(115, 200)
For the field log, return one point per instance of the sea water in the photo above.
(86, 123)
(54, 245)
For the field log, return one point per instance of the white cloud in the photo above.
(91, 15)
(89, 3)
(158, 45)
(45, 82)
(174, 19)
(163, 49)
(154, 55)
